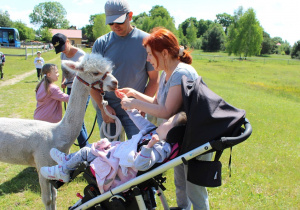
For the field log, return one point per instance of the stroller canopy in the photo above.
(209, 117)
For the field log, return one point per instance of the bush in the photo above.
(296, 50)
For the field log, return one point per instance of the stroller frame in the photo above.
(215, 145)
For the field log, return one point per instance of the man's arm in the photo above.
(98, 99)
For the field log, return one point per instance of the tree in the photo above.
(158, 17)
(5, 19)
(46, 34)
(185, 24)
(25, 32)
(267, 44)
(87, 31)
(245, 35)
(100, 28)
(278, 39)
(225, 20)
(139, 19)
(50, 15)
(284, 48)
(296, 50)
(202, 26)
(191, 34)
(213, 38)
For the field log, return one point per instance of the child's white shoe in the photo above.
(58, 156)
(55, 173)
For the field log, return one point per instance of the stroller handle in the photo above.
(226, 142)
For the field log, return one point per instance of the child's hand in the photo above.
(153, 141)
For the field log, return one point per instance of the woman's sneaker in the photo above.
(55, 173)
(58, 156)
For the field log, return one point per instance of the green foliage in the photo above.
(184, 42)
(267, 44)
(245, 35)
(87, 31)
(50, 15)
(277, 39)
(296, 50)
(5, 19)
(139, 20)
(185, 24)
(198, 44)
(213, 38)
(158, 17)
(25, 32)
(203, 25)
(189, 27)
(46, 34)
(284, 48)
(191, 34)
(225, 20)
(99, 27)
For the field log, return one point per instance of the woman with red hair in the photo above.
(165, 54)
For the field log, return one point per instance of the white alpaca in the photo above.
(28, 142)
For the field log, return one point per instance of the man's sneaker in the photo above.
(55, 173)
(58, 156)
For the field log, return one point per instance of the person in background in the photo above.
(123, 46)
(2, 61)
(165, 54)
(68, 52)
(39, 62)
(49, 96)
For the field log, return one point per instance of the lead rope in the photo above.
(106, 127)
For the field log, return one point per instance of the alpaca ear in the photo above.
(73, 66)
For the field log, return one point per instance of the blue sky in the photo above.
(277, 17)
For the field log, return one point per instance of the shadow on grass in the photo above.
(25, 180)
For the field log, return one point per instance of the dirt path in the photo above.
(19, 78)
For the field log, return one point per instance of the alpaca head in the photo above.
(92, 68)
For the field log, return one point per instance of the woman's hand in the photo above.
(129, 92)
(120, 94)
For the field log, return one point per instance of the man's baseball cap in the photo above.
(59, 41)
(116, 10)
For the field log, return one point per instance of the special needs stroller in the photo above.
(212, 126)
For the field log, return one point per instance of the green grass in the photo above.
(265, 169)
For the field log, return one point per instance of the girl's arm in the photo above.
(57, 94)
(130, 92)
(140, 122)
(152, 154)
(171, 106)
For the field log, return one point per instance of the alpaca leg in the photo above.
(48, 196)
(54, 196)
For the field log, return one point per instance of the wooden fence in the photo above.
(26, 49)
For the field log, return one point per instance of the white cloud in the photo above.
(78, 19)
(83, 2)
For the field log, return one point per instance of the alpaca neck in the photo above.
(73, 118)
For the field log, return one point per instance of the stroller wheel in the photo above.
(90, 192)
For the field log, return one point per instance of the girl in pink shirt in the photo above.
(49, 96)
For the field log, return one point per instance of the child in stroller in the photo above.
(212, 125)
(151, 143)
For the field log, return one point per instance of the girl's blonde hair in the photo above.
(47, 68)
